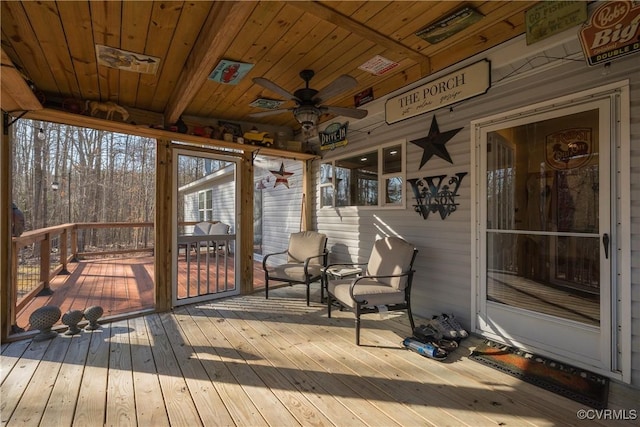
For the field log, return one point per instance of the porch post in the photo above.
(246, 223)
(163, 225)
(6, 300)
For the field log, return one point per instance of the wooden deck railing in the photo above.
(39, 255)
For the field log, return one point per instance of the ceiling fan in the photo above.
(309, 100)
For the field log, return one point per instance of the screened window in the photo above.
(369, 178)
(205, 205)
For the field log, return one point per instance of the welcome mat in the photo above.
(568, 381)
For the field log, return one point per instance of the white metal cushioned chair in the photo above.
(220, 228)
(386, 281)
(306, 258)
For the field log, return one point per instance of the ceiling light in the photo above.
(307, 116)
(363, 159)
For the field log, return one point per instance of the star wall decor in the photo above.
(282, 177)
(433, 143)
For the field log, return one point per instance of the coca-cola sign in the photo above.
(612, 32)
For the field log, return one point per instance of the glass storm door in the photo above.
(207, 217)
(545, 233)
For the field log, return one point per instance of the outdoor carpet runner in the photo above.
(568, 381)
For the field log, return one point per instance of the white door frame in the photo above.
(174, 238)
(620, 252)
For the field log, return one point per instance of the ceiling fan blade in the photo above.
(274, 88)
(339, 85)
(344, 111)
(270, 112)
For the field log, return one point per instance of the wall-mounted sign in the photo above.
(363, 97)
(125, 60)
(334, 135)
(569, 148)
(450, 25)
(230, 72)
(266, 103)
(465, 83)
(612, 32)
(436, 194)
(378, 65)
(552, 17)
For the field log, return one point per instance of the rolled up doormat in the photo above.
(568, 381)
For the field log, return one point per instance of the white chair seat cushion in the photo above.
(368, 290)
(294, 271)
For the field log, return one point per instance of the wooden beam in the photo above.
(57, 116)
(15, 89)
(222, 26)
(327, 14)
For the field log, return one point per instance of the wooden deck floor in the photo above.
(118, 285)
(248, 361)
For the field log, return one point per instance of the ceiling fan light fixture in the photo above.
(307, 116)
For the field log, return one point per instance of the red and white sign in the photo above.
(612, 32)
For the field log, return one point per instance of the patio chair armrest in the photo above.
(306, 261)
(264, 259)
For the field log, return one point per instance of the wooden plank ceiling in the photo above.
(53, 44)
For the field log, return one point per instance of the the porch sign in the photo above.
(465, 83)
(334, 135)
(612, 32)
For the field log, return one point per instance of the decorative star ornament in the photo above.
(282, 177)
(433, 144)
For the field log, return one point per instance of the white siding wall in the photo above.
(443, 266)
(281, 205)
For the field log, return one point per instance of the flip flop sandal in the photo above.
(425, 334)
(447, 345)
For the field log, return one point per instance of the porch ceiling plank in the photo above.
(150, 411)
(206, 53)
(26, 47)
(164, 22)
(363, 31)
(188, 27)
(76, 23)
(136, 15)
(252, 47)
(487, 38)
(106, 18)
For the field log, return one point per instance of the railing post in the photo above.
(74, 244)
(45, 264)
(64, 250)
(14, 288)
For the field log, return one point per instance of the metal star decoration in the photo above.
(433, 143)
(282, 177)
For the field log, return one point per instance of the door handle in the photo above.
(605, 243)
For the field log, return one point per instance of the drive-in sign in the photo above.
(612, 32)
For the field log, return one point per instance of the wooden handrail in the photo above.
(44, 236)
